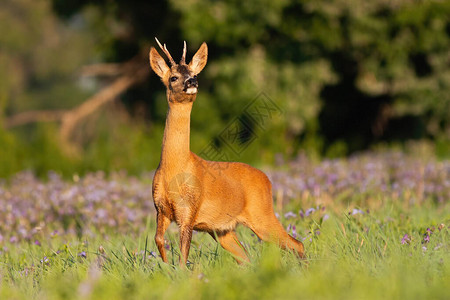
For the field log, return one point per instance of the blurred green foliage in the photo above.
(348, 75)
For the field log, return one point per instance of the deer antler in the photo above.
(164, 49)
(183, 58)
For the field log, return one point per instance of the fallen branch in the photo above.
(102, 70)
(34, 116)
(120, 85)
(130, 73)
(113, 69)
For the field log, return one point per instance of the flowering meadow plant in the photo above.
(374, 226)
(367, 176)
(31, 208)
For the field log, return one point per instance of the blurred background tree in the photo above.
(348, 75)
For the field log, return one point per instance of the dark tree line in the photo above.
(347, 74)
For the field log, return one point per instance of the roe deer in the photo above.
(204, 195)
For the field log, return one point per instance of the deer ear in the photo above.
(158, 63)
(199, 60)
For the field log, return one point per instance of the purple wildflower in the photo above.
(438, 246)
(37, 243)
(356, 211)
(406, 239)
(325, 217)
(82, 254)
(289, 215)
(309, 211)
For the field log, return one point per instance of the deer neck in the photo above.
(175, 148)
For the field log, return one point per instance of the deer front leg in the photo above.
(185, 243)
(161, 226)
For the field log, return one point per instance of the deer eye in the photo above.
(173, 78)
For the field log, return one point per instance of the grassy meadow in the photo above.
(375, 226)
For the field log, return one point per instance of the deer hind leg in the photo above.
(162, 223)
(229, 241)
(185, 243)
(272, 231)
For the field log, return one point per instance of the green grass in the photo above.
(354, 257)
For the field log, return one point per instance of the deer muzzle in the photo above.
(191, 85)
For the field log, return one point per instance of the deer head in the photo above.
(180, 79)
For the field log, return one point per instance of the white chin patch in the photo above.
(191, 90)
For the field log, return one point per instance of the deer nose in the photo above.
(191, 82)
